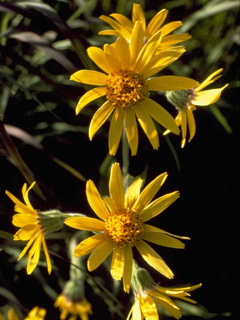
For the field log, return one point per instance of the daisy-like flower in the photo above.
(186, 101)
(81, 308)
(122, 26)
(126, 83)
(146, 302)
(122, 226)
(31, 229)
(35, 314)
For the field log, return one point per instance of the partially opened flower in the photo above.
(34, 225)
(122, 226)
(186, 101)
(126, 83)
(123, 27)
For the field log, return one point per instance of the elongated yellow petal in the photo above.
(174, 39)
(25, 192)
(110, 204)
(183, 123)
(191, 123)
(136, 41)
(116, 188)
(89, 244)
(122, 51)
(169, 83)
(118, 261)
(158, 206)
(209, 79)
(127, 273)
(158, 113)
(169, 27)
(89, 77)
(149, 192)
(148, 308)
(168, 305)
(85, 223)
(26, 232)
(157, 21)
(99, 58)
(19, 205)
(45, 249)
(89, 96)
(124, 21)
(95, 200)
(149, 228)
(99, 254)
(30, 242)
(147, 125)
(138, 14)
(100, 117)
(137, 313)
(22, 219)
(153, 259)
(207, 97)
(34, 255)
(131, 130)
(132, 193)
(117, 26)
(11, 315)
(163, 240)
(115, 131)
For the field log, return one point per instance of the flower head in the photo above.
(126, 83)
(123, 27)
(186, 101)
(34, 225)
(79, 308)
(122, 226)
(148, 295)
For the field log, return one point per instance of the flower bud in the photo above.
(51, 220)
(180, 98)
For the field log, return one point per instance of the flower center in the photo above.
(124, 228)
(126, 88)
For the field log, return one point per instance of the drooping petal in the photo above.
(26, 232)
(131, 130)
(158, 206)
(116, 187)
(88, 245)
(85, 223)
(149, 192)
(147, 125)
(168, 305)
(191, 123)
(207, 97)
(132, 193)
(100, 117)
(98, 56)
(45, 249)
(89, 96)
(127, 273)
(169, 83)
(89, 77)
(115, 131)
(153, 259)
(30, 242)
(159, 114)
(137, 313)
(118, 261)
(99, 254)
(34, 255)
(148, 308)
(183, 123)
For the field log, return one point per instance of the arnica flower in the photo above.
(186, 101)
(126, 83)
(148, 295)
(122, 26)
(35, 314)
(122, 226)
(81, 308)
(34, 225)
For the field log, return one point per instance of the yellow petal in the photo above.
(26, 232)
(19, 205)
(153, 259)
(89, 77)
(132, 193)
(34, 255)
(169, 27)
(136, 313)
(100, 117)
(89, 244)
(191, 123)
(99, 58)
(157, 21)
(115, 131)
(116, 188)
(131, 130)
(174, 39)
(149, 228)
(99, 254)
(95, 200)
(207, 97)
(11, 315)
(122, 52)
(124, 21)
(85, 223)
(147, 125)
(127, 273)
(22, 219)
(89, 96)
(159, 114)
(209, 79)
(117, 264)
(168, 305)
(138, 14)
(149, 308)
(163, 240)
(149, 192)
(136, 41)
(25, 192)
(45, 249)
(169, 83)
(158, 206)
(30, 242)
(117, 26)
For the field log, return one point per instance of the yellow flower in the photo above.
(146, 301)
(81, 308)
(187, 100)
(122, 226)
(35, 314)
(122, 26)
(31, 230)
(126, 85)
